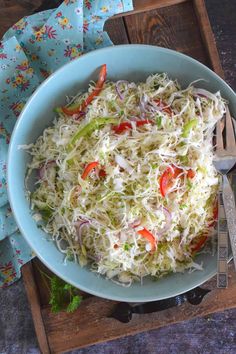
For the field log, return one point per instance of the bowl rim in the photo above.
(11, 151)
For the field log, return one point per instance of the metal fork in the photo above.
(224, 161)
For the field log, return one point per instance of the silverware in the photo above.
(224, 160)
(222, 249)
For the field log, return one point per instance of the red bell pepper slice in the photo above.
(215, 211)
(88, 169)
(127, 125)
(191, 174)
(149, 236)
(122, 127)
(98, 88)
(163, 106)
(204, 237)
(199, 244)
(168, 178)
(102, 173)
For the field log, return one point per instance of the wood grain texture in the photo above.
(148, 5)
(116, 28)
(207, 36)
(91, 323)
(173, 27)
(33, 295)
(12, 11)
(224, 28)
(43, 284)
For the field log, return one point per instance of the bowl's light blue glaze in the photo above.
(132, 62)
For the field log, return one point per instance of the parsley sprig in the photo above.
(63, 296)
(60, 291)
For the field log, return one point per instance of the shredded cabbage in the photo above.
(95, 220)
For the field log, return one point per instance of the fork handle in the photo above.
(230, 212)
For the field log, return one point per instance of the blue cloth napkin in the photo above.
(30, 51)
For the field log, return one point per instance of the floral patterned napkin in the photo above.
(30, 51)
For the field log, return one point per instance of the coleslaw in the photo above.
(126, 183)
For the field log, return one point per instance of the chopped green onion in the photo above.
(89, 129)
(188, 127)
(159, 121)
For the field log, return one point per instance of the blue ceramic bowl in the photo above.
(131, 62)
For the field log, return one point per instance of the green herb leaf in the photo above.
(158, 121)
(56, 296)
(184, 159)
(126, 247)
(89, 129)
(46, 214)
(163, 246)
(182, 206)
(188, 127)
(189, 184)
(60, 292)
(69, 255)
(154, 165)
(57, 110)
(74, 304)
(67, 287)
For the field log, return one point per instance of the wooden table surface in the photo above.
(215, 334)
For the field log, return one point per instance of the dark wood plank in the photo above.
(48, 4)
(207, 36)
(224, 28)
(165, 27)
(42, 282)
(148, 5)
(116, 30)
(35, 306)
(12, 11)
(91, 323)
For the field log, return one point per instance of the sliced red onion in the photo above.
(148, 107)
(77, 116)
(158, 107)
(41, 172)
(118, 88)
(204, 93)
(42, 169)
(168, 218)
(79, 227)
(143, 105)
(97, 171)
(135, 223)
(200, 95)
(94, 258)
(133, 118)
(78, 190)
